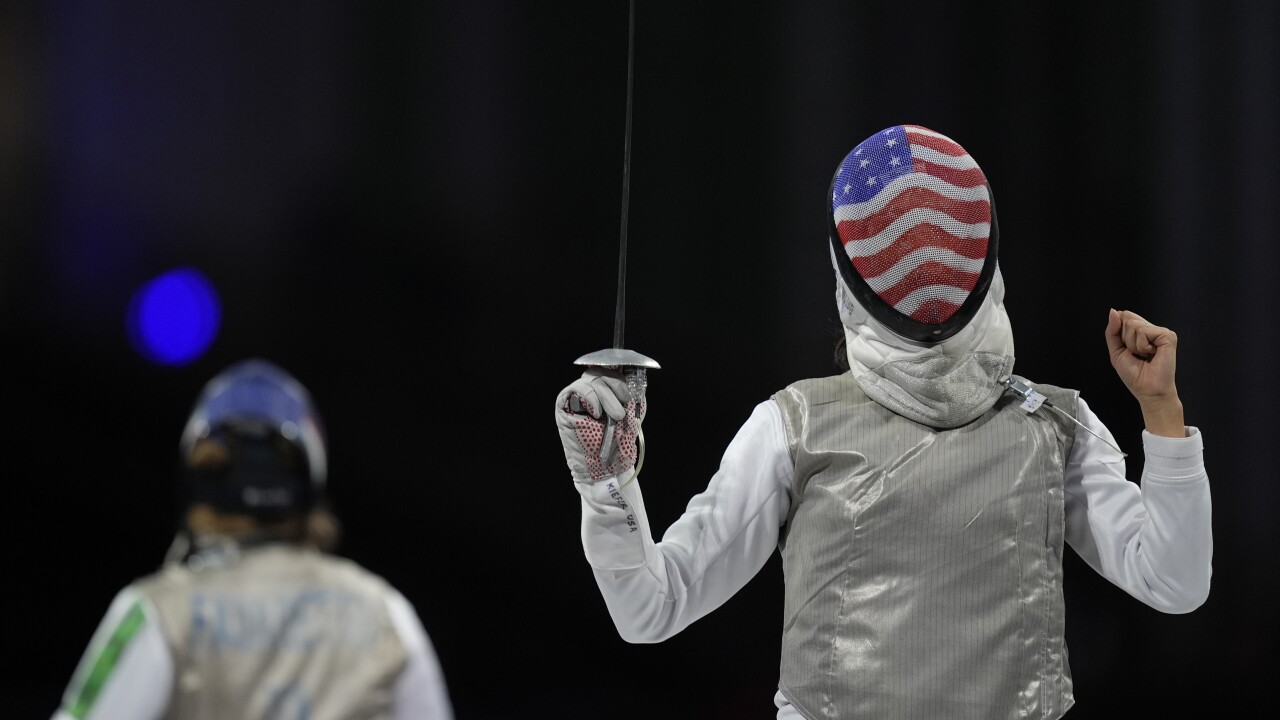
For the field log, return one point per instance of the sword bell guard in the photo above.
(617, 357)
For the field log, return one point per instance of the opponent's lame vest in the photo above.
(923, 567)
(284, 632)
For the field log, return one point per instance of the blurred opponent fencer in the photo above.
(921, 499)
(251, 616)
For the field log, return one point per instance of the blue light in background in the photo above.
(174, 317)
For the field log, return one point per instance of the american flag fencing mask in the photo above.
(914, 231)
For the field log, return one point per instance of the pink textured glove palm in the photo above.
(599, 422)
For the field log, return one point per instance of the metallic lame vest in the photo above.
(282, 632)
(924, 567)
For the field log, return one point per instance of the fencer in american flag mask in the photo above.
(914, 242)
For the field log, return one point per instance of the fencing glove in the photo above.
(599, 420)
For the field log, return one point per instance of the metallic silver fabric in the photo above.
(923, 567)
(939, 391)
(280, 632)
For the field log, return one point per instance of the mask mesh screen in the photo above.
(914, 216)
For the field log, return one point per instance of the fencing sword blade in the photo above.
(618, 356)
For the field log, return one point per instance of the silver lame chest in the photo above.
(923, 567)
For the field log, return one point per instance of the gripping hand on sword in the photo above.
(599, 416)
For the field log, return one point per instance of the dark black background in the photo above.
(415, 208)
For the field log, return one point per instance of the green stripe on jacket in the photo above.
(106, 661)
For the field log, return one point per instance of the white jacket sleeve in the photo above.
(420, 692)
(1153, 540)
(726, 534)
(127, 671)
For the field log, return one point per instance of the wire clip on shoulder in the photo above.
(1032, 400)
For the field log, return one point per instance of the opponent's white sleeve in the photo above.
(127, 671)
(1153, 540)
(726, 534)
(420, 693)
